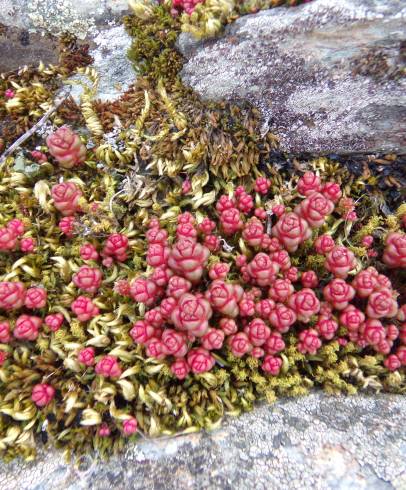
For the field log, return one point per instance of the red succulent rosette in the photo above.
(381, 304)
(161, 276)
(84, 308)
(54, 321)
(228, 326)
(27, 245)
(67, 226)
(144, 291)
(219, 271)
(157, 236)
(224, 203)
(5, 335)
(352, 318)
(292, 274)
(282, 258)
(35, 298)
(308, 184)
(212, 242)
(272, 365)
(130, 426)
(239, 344)
(324, 244)
(314, 209)
(340, 261)
(326, 327)
(186, 230)
(332, 191)
(86, 356)
(184, 218)
(373, 331)
(257, 352)
(281, 290)
(27, 327)
(401, 316)
(8, 239)
(42, 394)
(401, 354)
(383, 282)
(262, 269)
(224, 297)
(154, 317)
(394, 254)
(177, 286)
(200, 360)
(392, 332)
(157, 255)
(246, 307)
(258, 332)
(309, 279)
(88, 252)
(142, 332)
(264, 307)
(192, 313)
(392, 362)
(88, 278)
(66, 147)
(253, 232)
(282, 317)
(365, 283)
(167, 307)
(262, 185)
(245, 202)
(207, 226)
(174, 343)
(309, 342)
(116, 246)
(213, 339)
(291, 230)
(66, 197)
(12, 295)
(305, 304)
(180, 368)
(274, 343)
(108, 367)
(16, 226)
(230, 221)
(188, 259)
(338, 293)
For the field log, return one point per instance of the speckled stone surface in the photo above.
(58, 16)
(316, 442)
(328, 76)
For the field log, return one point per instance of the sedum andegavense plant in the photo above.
(222, 284)
(199, 303)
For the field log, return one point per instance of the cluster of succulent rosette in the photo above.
(201, 298)
(198, 304)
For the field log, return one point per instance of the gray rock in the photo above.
(297, 444)
(328, 76)
(110, 60)
(58, 16)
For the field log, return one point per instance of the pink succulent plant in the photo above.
(66, 197)
(35, 298)
(291, 230)
(108, 367)
(66, 147)
(84, 308)
(42, 394)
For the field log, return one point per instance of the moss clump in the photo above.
(153, 47)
